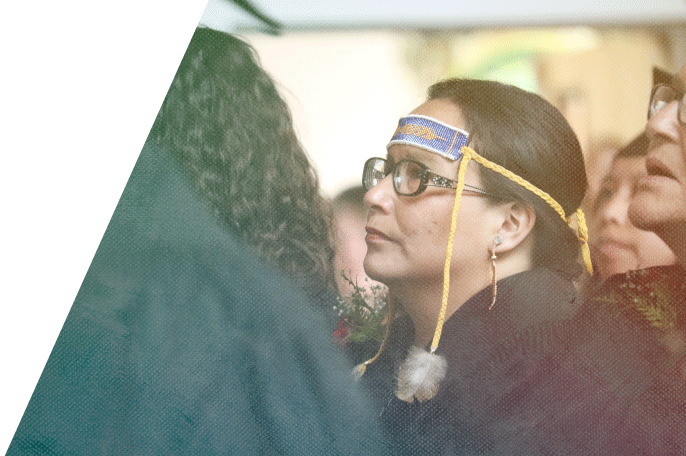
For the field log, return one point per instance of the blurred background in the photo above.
(350, 69)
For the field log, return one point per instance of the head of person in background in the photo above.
(350, 218)
(598, 161)
(659, 200)
(618, 245)
(225, 122)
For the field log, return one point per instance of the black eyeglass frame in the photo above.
(679, 97)
(428, 178)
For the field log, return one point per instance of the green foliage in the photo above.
(362, 312)
(654, 300)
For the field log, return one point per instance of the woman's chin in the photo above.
(380, 271)
(371, 267)
(377, 275)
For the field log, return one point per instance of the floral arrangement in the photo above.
(361, 313)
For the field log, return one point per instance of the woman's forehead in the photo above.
(398, 152)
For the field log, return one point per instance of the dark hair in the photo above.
(637, 147)
(525, 134)
(226, 124)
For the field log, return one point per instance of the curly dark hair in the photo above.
(527, 135)
(226, 124)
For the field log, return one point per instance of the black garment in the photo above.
(619, 382)
(611, 382)
(179, 342)
(477, 394)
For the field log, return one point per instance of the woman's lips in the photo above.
(374, 235)
(658, 174)
(610, 248)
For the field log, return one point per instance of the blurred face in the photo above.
(618, 245)
(659, 203)
(407, 236)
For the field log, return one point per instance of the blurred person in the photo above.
(615, 383)
(468, 227)
(180, 341)
(659, 203)
(598, 161)
(630, 337)
(619, 246)
(350, 218)
(602, 153)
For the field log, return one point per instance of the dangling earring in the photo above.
(494, 284)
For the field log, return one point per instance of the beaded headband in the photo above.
(450, 142)
(430, 134)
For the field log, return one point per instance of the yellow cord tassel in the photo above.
(581, 231)
(449, 251)
(421, 373)
(360, 369)
(582, 234)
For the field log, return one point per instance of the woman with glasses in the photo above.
(473, 224)
(629, 339)
(659, 204)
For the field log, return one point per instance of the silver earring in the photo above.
(494, 283)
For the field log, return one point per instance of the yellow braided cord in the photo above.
(582, 234)
(468, 154)
(390, 316)
(581, 231)
(524, 183)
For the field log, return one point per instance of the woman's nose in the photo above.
(381, 195)
(664, 124)
(616, 209)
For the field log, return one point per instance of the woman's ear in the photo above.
(518, 220)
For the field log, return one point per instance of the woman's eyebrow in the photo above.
(424, 159)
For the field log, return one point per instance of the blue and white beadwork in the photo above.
(430, 134)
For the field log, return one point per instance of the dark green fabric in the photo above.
(179, 342)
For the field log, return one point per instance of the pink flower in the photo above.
(340, 336)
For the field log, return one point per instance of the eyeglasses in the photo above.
(661, 96)
(410, 178)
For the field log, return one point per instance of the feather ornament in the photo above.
(359, 370)
(420, 375)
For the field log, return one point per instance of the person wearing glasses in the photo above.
(635, 326)
(659, 202)
(646, 309)
(474, 225)
(615, 384)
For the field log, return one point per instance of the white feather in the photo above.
(359, 370)
(420, 375)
